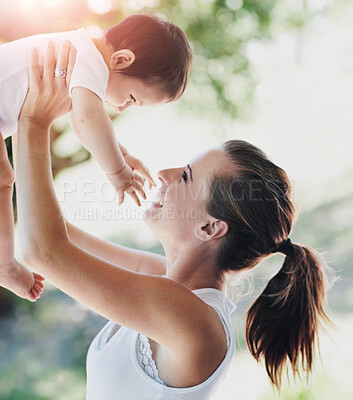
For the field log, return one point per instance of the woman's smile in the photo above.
(158, 200)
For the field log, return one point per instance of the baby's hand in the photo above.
(137, 165)
(126, 181)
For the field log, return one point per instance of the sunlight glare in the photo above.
(94, 31)
(51, 3)
(100, 6)
(30, 5)
(140, 4)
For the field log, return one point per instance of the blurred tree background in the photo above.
(219, 31)
(222, 86)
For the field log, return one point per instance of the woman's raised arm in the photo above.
(131, 259)
(158, 307)
(128, 258)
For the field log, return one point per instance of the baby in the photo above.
(142, 61)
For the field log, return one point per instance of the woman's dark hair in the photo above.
(256, 203)
(163, 53)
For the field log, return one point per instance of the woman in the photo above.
(226, 211)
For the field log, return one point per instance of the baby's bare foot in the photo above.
(16, 278)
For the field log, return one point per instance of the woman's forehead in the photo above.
(211, 161)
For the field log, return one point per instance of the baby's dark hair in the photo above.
(163, 53)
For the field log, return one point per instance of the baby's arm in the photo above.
(134, 163)
(97, 134)
(95, 130)
(74, 127)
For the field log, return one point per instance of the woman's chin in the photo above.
(153, 212)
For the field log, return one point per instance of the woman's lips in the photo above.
(158, 199)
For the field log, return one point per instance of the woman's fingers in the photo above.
(70, 67)
(49, 62)
(48, 97)
(63, 56)
(34, 73)
(62, 63)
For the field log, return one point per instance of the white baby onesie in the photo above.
(90, 71)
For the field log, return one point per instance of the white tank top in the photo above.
(115, 372)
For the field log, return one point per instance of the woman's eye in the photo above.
(132, 98)
(185, 176)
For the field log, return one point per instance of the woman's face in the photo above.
(180, 205)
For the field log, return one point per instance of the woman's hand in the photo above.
(48, 95)
(40, 222)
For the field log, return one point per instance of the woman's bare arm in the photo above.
(131, 259)
(149, 304)
(158, 307)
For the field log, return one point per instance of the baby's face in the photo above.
(124, 91)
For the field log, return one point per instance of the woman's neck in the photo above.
(194, 268)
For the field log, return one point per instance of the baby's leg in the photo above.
(13, 276)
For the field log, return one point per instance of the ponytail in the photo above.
(284, 320)
(255, 200)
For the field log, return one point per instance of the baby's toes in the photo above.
(38, 277)
(39, 284)
(36, 293)
(38, 288)
(32, 295)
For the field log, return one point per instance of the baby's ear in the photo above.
(122, 59)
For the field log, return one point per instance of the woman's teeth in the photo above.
(158, 199)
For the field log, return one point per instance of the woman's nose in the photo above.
(170, 175)
(162, 176)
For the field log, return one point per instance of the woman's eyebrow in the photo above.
(190, 172)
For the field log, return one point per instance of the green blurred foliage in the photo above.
(219, 30)
(221, 80)
(329, 226)
(43, 349)
(43, 346)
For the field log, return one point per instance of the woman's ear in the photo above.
(210, 230)
(121, 59)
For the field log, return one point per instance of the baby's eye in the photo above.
(185, 176)
(132, 98)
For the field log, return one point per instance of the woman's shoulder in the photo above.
(215, 298)
(194, 362)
